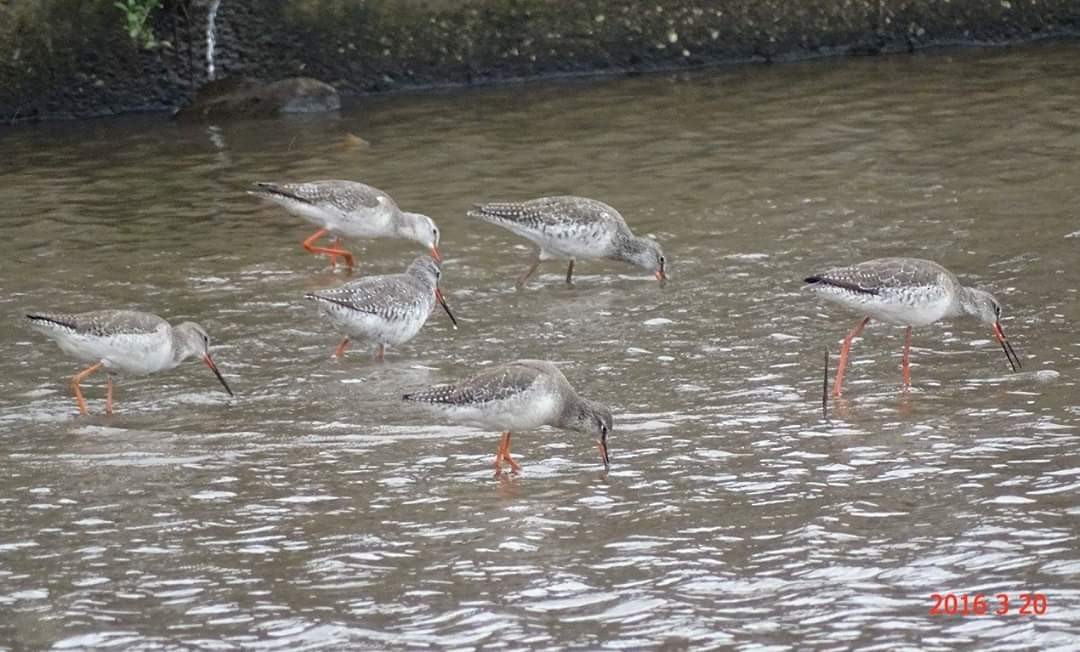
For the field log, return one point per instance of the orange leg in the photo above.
(570, 273)
(499, 453)
(514, 466)
(529, 272)
(108, 396)
(504, 456)
(333, 252)
(78, 391)
(907, 358)
(844, 351)
(347, 256)
(341, 348)
(380, 353)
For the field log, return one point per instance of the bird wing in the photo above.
(883, 275)
(99, 323)
(374, 294)
(553, 216)
(345, 196)
(496, 384)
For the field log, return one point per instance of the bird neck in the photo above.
(576, 412)
(183, 345)
(422, 275)
(407, 225)
(628, 248)
(964, 303)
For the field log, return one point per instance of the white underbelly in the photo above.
(130, 354)
(891, 308)
(314, 214)
(572, 249)
(365, 224)
(921, 315)
(376, 328)
(526, 411)
(581, 245)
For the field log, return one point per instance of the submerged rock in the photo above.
(243, 97)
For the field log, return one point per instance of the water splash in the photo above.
(211, 38)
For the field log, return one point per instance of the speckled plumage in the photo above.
(487, 390)
(908, 292)
(343, 196)
(388, 310)
(565, 227)
(99, 323)
(124, 341)
(570, 228)
(351, 209)
(520, 395)
(903, 291)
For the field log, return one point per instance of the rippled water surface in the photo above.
(316, 510)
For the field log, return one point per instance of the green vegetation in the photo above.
(136, 13)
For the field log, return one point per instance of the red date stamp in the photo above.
(978, 604)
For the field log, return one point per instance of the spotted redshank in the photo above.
(907, 292)
(388, 310)
(350, 209)
(571, 228)
(520, 395)
(124, 341)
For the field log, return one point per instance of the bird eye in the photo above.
(603, 429)
(997, 310)
(662, 260)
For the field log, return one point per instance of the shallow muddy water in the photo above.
(317, 510)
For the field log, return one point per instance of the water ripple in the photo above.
(313, 511)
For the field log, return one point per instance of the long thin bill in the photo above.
(442, 301)
(604, 457)
(435, 253)
(1014, 360)
(1009, 346)
(213, 367)
(1010, 353)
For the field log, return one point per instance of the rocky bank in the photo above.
(73, 58)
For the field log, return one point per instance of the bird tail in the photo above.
(341, 303)
(270, 190)
(311, 296)
(439, 394)
(498, 211)
(844, 285)
(51, 321)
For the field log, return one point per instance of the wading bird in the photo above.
(520, 395)
(388, 310)
(124, 341)
(352, 210)
(571, 228)
(907, 292)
